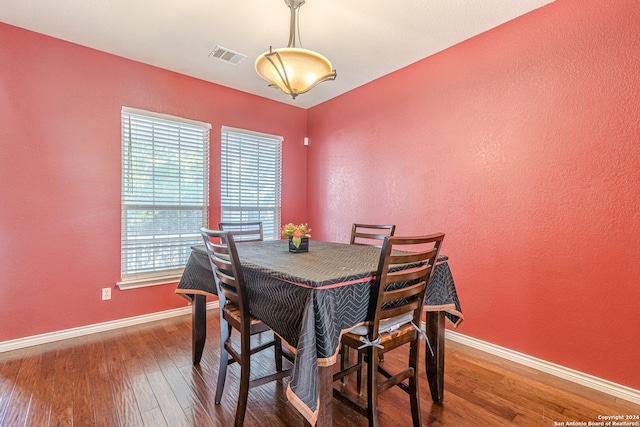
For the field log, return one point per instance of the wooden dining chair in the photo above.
(243, 231)
(370, 234)
(235, 315)
(397, 296)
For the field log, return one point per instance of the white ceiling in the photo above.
(364, 39)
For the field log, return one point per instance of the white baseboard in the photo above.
(608, 387)
(98, 327)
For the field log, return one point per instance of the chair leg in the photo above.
(344, 360)
(372, 386)
(278, 351)
(225, 334)
(243, 396)
(360, 373)
(245, 372)
(414, 390)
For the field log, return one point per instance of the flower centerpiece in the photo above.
(298, 236)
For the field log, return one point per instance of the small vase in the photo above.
(304, 245)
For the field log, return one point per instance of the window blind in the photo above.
(165, 175)
(250, 181)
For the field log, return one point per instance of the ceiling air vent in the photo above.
(226, 55)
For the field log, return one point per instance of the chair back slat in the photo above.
(406, 258)
(402, 277)
(403, 293)
(249, 231)
(397, 311)
(227, 286)
(370, 234)
(405, 275)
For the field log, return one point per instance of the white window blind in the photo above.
(165, 186)
(251, 179)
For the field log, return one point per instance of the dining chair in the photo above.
(235, 315)
(370, 234)
(250, 231)
(397, 295)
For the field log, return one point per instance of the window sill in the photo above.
(149, 281)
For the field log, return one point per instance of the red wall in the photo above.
(60, 148)
(523, 146)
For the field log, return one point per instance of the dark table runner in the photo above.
(310, 298)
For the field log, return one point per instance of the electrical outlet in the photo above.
(106, 293)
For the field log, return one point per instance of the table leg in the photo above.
(325, 388)
(434, 365)
(198, 327)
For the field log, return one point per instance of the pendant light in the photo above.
(292, 69)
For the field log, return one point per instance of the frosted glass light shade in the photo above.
(294, 70)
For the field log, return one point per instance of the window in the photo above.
(250, 179)
(165, 186)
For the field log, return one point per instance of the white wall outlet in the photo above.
(106, 293)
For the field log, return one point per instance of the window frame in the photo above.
(245, 211)
(149, 199)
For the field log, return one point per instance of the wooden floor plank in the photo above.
(8, 378)
(204, 393)
(83, 414)
(169, 405)
(64, 382)
(40, 409)
(196, 415)
(154, 418)
(20, 402)
(140, 386)
(181, 389)
(101, 390)
(127, 408)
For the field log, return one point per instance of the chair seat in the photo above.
(387, 325)
(387, 340)
(232, 314)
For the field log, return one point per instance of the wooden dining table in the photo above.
(309, 299)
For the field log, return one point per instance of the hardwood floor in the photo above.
(142, 376)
